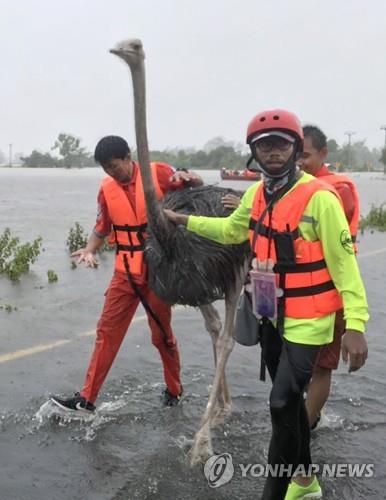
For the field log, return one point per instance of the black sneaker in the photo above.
(168, 399)
(76, 403)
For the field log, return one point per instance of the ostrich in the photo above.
(183, 267)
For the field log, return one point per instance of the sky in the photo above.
(211, 65)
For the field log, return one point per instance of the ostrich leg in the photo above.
(202, 448)
(213, 326)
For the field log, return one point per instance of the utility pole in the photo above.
(384, 149)
(10, 155)
(384, 128)
(349, 133)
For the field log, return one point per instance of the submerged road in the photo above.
(134, 449)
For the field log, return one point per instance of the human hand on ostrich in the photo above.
(176, 218)
(230, 201)
(187, 178)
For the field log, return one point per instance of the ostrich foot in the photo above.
(202, 448)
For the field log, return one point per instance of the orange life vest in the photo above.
(336, 179)
(309, 291)
(129, 225)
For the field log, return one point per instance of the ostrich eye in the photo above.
(136, 46)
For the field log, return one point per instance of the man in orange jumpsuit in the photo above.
(122, 209)
(312, 160)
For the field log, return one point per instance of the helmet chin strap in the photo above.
(278, 173)
(274, 180)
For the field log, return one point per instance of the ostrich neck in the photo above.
(154, 214)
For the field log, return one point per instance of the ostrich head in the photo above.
(132, 53)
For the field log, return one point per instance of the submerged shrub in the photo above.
(106, 247)
(77, 238)
(376, 219)
(52, 276)
(16, 258)
(8, 307)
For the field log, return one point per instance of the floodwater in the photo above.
(134, 449)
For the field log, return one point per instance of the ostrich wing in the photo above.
(185, 268)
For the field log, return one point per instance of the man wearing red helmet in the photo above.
(304, 270)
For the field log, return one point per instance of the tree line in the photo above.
(67, 152)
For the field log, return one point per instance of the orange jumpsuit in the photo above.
(120, 305)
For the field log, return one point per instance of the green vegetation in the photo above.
(106, 247)
(15, 258)
(357, 156)
(8, 307)
(77, 238)
(382, 159)
(71, 154)
(222, 155)
(215, 154)
(376, 219)
(52, 276)
(37, 159)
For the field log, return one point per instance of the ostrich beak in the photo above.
(130, 50)
(128, 55)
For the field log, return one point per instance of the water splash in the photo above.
(331, 420)
(183, 442)
(49, 411)
(112, 406)
(84, 426)
(357, 402)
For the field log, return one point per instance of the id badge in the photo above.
(264, 296)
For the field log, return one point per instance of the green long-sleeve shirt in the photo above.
(323, 220)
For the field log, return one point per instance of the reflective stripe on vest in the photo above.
(129, 225)
(336, 179)
(308, 288)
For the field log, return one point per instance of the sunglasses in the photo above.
(267, 144)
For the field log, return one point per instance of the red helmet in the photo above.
(279, 120)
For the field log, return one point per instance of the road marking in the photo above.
(11, 356)
(370, 254)
(31, 350)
